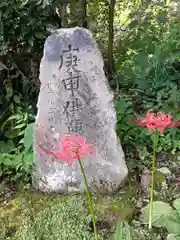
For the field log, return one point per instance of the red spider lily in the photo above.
(158, 121)
(166, 120)
(61, 155)
(76, 144)
(72, 147)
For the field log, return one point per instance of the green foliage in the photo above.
(165, 216)
(173, 237)
(22, 34)
(148, 78)
(173, 220)
(24, 28)
(28, 137)
(65, 220)
(123, 231)
(21, 29)
(160, 211)
(14, 126)
(17, 166)
(137, 137)
(16, 114)
(119, 231)
(16, 160)
(98, 13)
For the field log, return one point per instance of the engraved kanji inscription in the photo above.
(69, 59)
(75, 126)
(71, 107)
(71, 83)
(51, 119)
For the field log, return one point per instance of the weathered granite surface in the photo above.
(75, 97)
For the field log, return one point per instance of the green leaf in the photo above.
(17, 99)
(127, 231)
(7, 121)
(119, 231)
(176, 204)
(122, 106)
(143, 153)
(13, 134)
(28, 158)
(7, 162)
(39, 35)
(24, 2)
(21, 133)
(173, 223)
(173, 237)
(28, 161)
(31, 41)
(6, 147)
(20, 126)
(25, 116)
(160, 211)
(177, 116)
(28, 136)
(17, 160)
(16, 116)
(20, 121)
(21, 141)
(159, 177)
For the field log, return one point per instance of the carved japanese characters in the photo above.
(75, 97)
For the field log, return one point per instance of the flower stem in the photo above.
(153, 178)
(91, 208)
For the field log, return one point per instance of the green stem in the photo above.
(89, 199)
(153, 178)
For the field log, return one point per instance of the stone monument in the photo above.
(75, 97)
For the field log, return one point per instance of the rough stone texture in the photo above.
(74, 97)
